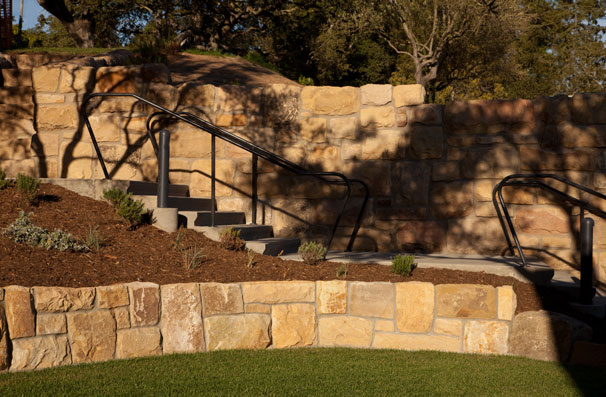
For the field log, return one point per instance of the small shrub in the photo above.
(312, 252)
(403, 265)
(250, 254)
(28, 186)
(23, 231)
(343, 270)
(132, 211)
(306, 80)
(193, 257)
(94, 239)
(179, 238)
(4, 183)
(229, 239)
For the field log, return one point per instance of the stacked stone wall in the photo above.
(431, 168)
(54, 326)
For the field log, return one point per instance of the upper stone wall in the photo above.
(431, 168)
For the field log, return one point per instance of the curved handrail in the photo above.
(531, 180)
(240, 142)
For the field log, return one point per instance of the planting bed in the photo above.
(149, 254)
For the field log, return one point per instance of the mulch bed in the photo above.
(149, 254)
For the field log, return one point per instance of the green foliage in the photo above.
(250, 256)
(94, 239)
(130, 210)
(4, 183)
(343, 270)
(23, 231)
(258, 59)
(402, 265)
(193, 257)
(305, 80)
(28, 186)
(229, 239)
(312, 252)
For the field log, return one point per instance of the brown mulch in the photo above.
(149, 254)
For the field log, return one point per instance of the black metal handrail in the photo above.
(532, 180)
(256, 151)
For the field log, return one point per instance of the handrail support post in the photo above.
(212, 180)
(255, 161)
(587, 291)
(163, 165)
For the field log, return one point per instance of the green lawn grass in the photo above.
(336, 372)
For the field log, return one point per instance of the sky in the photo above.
(31, 10)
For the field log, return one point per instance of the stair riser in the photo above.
(151, 188)
(192, 218)
(274, 248)
(181, 203)
(246, 233)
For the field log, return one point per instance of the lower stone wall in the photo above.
(53, 326)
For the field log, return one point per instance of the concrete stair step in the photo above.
(181, 203)
(190, 219)
(247, 232)
(141, 188)
(275, 246)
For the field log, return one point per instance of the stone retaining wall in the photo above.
(52, 326)
(431, 168)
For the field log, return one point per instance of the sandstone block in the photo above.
(426, 142)
(19, 313)
(384, 325)
(334, 101)
(413, 182)
(144, 299)
(189, 142)
(257, 308)
(155, 73)
(377, 117)
(325, 157)
(414, 306)
(46, 78)
(281, 103)
(426, 114)
(479, 235)
(375, 94)
(507, 302)
(486, 337)
(345, 331)
(106, 127)
(447, 326)
(138, 342)
(200, 184)
(76, 78)
(50, 324)
(385, 144)
(547, 220)
(57, 116)
(484, 190)
(40, 352)
(112, 296)
(534, 159)
(117, 79)
(313, 129)
(589, 108)
(278, 291)
(181, 324)
(343, 128)
(15, 149)
(466, 301)
(371, 299)
(545, 335)
(451, 200)
(231, 98)
(428, 236)
(445, 171)
(60, 299)
(122, 316)
(163, 94)
(401, 117)
(17, 77)
(246, 331)
(331, 297)
(199, 95)
(582, 136)
(293, 325)
(417, 342)
(231, 120)
(220, 298)
(408, 95)
(92, 335)
(4, 361)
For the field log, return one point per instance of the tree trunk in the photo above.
(82, 32)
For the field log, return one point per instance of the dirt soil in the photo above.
(217, 70)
